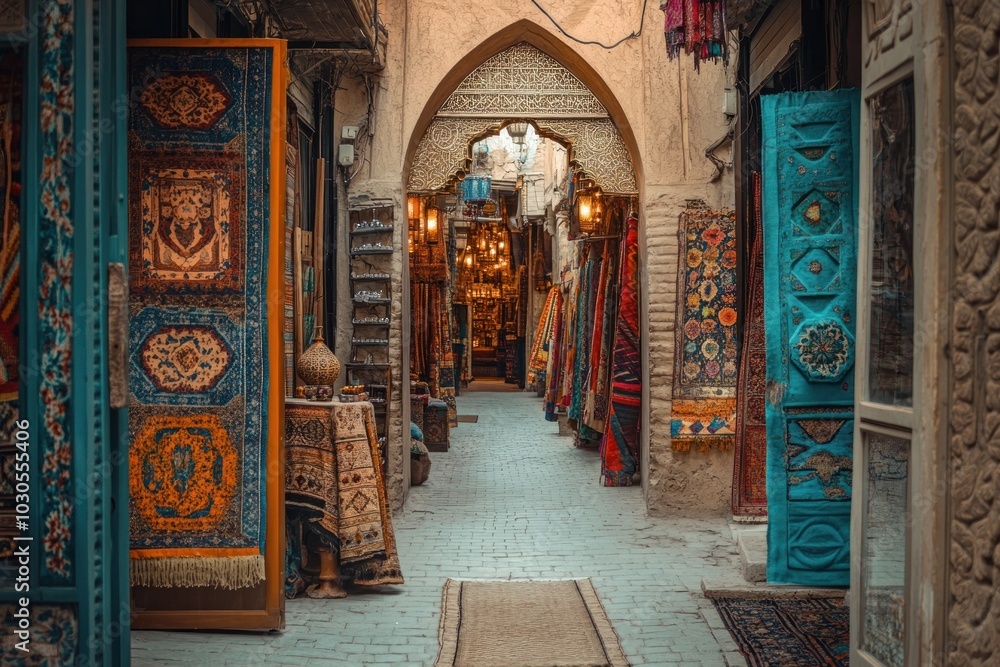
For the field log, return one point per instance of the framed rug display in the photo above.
(206, 261)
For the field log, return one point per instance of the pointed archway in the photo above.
(523, 72)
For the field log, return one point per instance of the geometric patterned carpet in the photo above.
(789, 632)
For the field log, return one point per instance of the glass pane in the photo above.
(883, 569)
(892, 291)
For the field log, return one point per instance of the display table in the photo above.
(335, 497)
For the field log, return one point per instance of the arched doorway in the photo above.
(520, 83)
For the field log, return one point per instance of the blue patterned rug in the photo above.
(199, 221)
(787, 633)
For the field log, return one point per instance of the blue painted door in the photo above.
(73, 244)
(810, 264)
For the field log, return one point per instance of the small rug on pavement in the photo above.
(788, 632)
(526, 624)
(468, 419)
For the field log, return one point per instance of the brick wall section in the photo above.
(688, 482)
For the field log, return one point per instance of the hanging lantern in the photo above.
(432, 229)
(518, 131)
(588, 210)
(469, 260)
(412, 208)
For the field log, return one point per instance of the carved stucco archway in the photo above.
(522, 82)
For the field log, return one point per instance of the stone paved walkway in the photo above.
(511, 500)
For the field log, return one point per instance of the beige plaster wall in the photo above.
(673, 114)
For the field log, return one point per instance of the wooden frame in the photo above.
(272, 615)
(924, 424)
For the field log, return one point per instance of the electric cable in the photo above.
(642, 21)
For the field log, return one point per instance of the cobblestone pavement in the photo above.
(511, 500)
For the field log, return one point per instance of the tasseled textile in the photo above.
(620, 446)
(697, 26)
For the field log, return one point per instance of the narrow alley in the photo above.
(510, 500)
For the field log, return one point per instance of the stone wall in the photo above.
(974, 576)
(668, 115)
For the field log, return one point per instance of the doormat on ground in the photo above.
(468, 419)
(788, 632)
(526, 624)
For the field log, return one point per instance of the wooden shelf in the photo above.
(377, 278)
(372, 230)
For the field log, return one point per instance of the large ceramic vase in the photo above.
(318, 366)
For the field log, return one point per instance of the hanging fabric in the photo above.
(582, 333)
(538, 360)
(810, 262)
(620, 445)
(596, 411)
(552, 379)
(698, 27)
(750, 461)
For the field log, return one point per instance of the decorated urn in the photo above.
(318, 366)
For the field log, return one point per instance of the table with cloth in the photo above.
(335, 499)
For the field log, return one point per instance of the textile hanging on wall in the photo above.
(582, 332)
(704, 402)
(750, 461)
(538, 359)
(11, 74)
(698, 27)
(620, 445)
(810, 204)
(203, 228)
(552, 372)
(596, 410)
(291, 176)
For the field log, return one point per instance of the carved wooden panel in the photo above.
(974, 573)
(890, 22)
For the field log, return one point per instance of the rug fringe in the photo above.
(448, 632)
(230, 572)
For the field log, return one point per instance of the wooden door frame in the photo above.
(922, 55)
(273, 614)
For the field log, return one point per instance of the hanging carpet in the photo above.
(538, 359)
(11, 73)
(596, 400)
(552, 373)
(750, 460)
(202, 229)
(620, 444)
(704, 393)
(810, 205)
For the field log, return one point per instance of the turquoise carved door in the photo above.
(810, 263)
(64, 531)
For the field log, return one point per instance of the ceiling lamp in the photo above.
(518, 131)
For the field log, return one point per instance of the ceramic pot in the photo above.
(318, 365)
